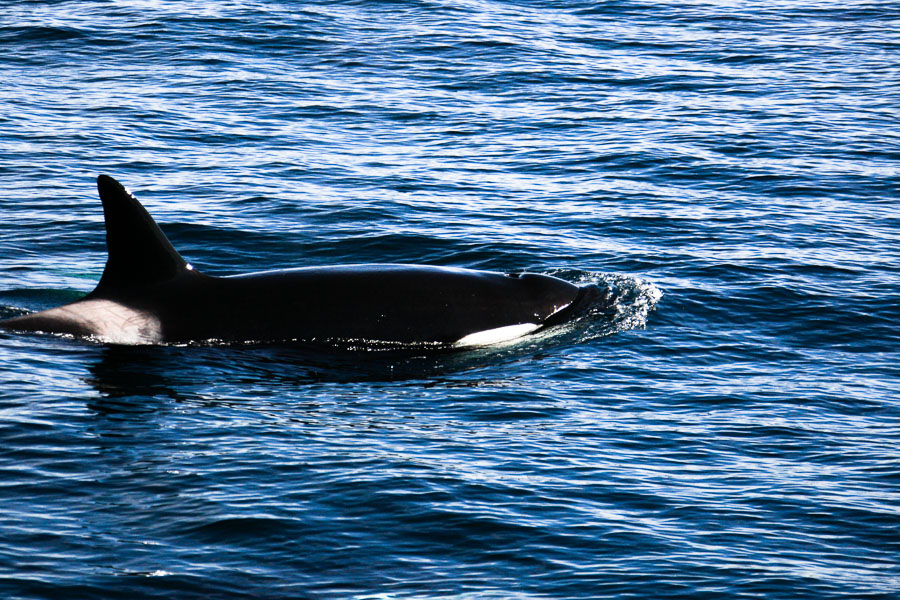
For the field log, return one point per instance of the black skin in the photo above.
(364, 303)
(376, 303)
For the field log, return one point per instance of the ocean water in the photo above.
(728, 170)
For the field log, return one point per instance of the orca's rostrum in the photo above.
(148, 294)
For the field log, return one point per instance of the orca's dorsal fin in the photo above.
(139, 252)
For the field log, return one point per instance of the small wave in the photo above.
(39, 34)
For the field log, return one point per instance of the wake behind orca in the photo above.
(148, 294)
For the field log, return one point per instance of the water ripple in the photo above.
(727, 172)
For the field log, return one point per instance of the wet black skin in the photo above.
(380, 303)
(375, 303)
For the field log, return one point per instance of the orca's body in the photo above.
(148, 294)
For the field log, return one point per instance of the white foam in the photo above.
(497, 335)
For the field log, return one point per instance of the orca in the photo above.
(149, 294)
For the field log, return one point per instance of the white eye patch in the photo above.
(497, 335)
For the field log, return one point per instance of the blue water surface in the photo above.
(728, 170)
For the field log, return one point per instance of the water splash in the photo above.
(634, 299)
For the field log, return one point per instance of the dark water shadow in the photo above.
(125, 372)
(133, 382)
